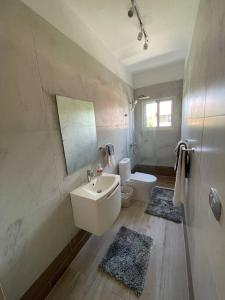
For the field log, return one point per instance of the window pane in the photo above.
(165, 110)
(151, 114)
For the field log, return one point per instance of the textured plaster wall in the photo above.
(204, 125)
(155, 147)
(37, 62)
(62, 15)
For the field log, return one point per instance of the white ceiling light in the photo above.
(142, 32)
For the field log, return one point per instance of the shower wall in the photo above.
(155, 147)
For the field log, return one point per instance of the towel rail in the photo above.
(189, 150)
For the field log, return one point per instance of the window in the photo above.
(157, 113)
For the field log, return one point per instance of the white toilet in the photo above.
(141, 182)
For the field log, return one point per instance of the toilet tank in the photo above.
(124, 170)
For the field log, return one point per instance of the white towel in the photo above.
(179, 192)
(109, 148)
(111, 160)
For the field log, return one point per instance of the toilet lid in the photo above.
(142, 177)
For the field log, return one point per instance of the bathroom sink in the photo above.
(97, 204)
(98, 187)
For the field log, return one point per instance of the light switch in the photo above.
(215, 203)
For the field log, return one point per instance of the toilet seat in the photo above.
(142, 178)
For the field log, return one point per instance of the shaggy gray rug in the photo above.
(127, 259)
(161, 205)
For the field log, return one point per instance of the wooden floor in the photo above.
(166, 277)
(165, 181)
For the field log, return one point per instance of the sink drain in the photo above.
(99, 191)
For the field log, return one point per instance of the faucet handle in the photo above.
(90, 175)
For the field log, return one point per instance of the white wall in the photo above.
(160, 74)
(61, 15)
(38, 62)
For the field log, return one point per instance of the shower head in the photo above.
(143, 97)
(133, 104)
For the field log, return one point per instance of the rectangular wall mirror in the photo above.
(78, 130)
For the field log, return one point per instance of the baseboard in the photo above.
(188, 260)
(155, 170)
(44, 284)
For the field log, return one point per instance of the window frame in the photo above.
(157, 100)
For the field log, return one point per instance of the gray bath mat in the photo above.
(161, 205)
(127, 259)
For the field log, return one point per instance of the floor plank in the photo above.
(166, 277)
(165, 181)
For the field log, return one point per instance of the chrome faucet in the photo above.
(90, 175)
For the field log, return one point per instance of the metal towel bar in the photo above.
(190, 150)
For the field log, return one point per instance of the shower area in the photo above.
(157, 111)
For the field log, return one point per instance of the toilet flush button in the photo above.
(215, 203)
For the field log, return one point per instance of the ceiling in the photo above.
(169, 24)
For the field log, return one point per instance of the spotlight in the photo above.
(131, 12)
(140, 35)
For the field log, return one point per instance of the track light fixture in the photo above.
(140, 35)
(145, 47)
(130, 12)
(142, 32)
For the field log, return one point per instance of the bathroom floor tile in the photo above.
(167, 267)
